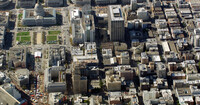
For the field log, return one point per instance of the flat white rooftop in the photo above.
(116, 13)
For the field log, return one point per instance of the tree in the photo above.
(101, 83)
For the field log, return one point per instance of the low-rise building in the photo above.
(21, 77)
(54, 79)
(113, 82)
(53, 3)
(153, 97)
(160, 83)
(184, 96)
(56, 55)
(55, 98)
(4, 19)
(9, 95)
(161, 70)
(144, 58)
(144, 83)
(25, 3)
(17, 57)
(143, 14)
(115, 98)
(39, 16)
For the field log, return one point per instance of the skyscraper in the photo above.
(116, 23)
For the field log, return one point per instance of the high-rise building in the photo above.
(79, 84)
(77, 30)
(88, 28)
(116, 23)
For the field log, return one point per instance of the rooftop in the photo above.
(116, 13)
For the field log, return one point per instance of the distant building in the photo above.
(26, 3)
(116, 23)
(39, 16)
(53, 3)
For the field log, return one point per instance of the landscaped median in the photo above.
(23, 38)
(54, 32)
(52, 37)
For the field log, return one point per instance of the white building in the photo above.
(55, 98)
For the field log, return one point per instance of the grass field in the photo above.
(23, 33)
(20, 16)
(26, 39)
(18, 38)
(54, 32)
(51, 38)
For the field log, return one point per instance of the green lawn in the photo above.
(18, 38)
(54, 32)
(26, 39)
(23, 33)
(51, 38)
(20, 16)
